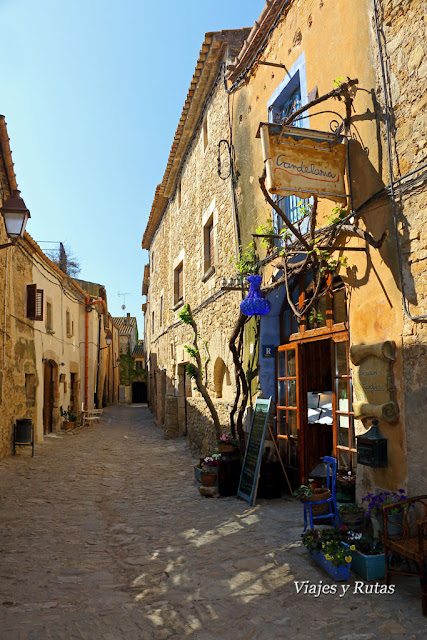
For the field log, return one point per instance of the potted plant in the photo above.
(394, 517)
(352, 516)
(70, 418)
(209, 470)
(227, 443)
(368, 558)
(308, 493)
(346, 486)
(324, 547)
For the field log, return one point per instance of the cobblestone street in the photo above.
(105, 536)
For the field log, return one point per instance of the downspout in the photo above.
(5, 308)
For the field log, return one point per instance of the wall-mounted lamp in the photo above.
(117, 363)
(15, 216)
(108, 339)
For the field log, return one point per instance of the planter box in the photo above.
(342, 572)
(367, 567)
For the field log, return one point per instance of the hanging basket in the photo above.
(319, 494)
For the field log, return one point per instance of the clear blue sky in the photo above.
(92, 91)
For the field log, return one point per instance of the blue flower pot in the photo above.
(342, 572)
(367, 567)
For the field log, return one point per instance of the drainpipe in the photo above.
(89, 303)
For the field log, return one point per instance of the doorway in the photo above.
(314, 404)
(48, 396)
(139, 392)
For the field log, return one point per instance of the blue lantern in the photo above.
(255, 304)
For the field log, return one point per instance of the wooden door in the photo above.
(289, 423)
(47, 398)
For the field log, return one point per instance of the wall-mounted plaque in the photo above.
(373, 381)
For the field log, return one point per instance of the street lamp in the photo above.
(15, 216)
(108, 339)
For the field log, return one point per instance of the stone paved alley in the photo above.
(104, 535)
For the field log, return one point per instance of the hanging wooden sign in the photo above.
(251, 464)
(303, 162)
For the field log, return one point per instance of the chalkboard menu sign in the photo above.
(251, 465)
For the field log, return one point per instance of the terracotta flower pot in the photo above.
(208, 479)
(68, 425)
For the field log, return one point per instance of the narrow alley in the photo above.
(104, 535)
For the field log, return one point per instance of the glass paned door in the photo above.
(288, 403)
(344, 440)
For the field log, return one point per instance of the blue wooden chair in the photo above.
(331, 483)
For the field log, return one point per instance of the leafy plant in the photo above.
(247, 264)
(338, 214)
(226, 438)
(185, 314)
(267, 229)
(210, 463)
(328, 542)
(69, 415)
(349, 508)
(192, 352)
(304, 491)
(365, 544)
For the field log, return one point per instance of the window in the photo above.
(345, 435)
(330, 309)
(152, 262)
(289, 96)
(205, 133)
(30, 387)
(179, 283)
(49, 326)
(152, 322)
(138, 365)
(34, 302)
(69, 325)
(209, 245)
(178, 194)
(161, 312)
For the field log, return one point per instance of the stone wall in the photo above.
(405, 38)
(200, 436)
(180, 239)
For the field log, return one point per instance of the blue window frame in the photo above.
(290, 95)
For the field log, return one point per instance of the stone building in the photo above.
(361, 309)
(53, 349)
(374, 302)
(192, 238)
(132, 376)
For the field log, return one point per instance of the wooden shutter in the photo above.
(31, 301)
(39, 304)
(211, 245)
(34, 302)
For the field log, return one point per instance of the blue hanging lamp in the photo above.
(255, 304)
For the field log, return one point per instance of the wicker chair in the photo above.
(411, 542)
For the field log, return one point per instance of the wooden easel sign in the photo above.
(249, 477)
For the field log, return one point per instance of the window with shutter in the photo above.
(34, 302)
